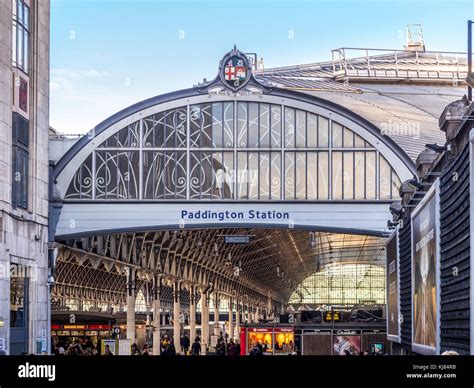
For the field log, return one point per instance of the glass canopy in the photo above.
(343, 284)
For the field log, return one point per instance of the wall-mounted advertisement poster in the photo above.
(346, 344)
(393, 300)
(376, 349)
(425, 273)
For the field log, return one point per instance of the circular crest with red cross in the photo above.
(235, 70)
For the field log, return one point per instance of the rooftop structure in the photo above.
(402, 92)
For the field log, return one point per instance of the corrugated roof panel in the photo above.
(384, 103)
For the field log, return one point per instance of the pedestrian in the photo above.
(107, 351)
(231, 348)
(237, 348)
(256, 351)
(220, 347)
(135, 351)
(185, 342)
(196, 348)
(171, 349)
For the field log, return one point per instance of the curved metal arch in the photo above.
(64, 171)
(274, 260)
(81, 280)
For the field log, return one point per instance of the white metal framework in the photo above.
(234, 150)
(343, 284)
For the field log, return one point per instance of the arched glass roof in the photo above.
(234, 150)
(342, 284)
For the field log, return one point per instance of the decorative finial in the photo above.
(235, 46)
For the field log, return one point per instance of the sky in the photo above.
(107, 55)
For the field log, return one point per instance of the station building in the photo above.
(24, 123)
(262, 196)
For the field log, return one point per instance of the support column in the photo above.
(216, 313)
(163, 318)
(131, 284)
(237, 320)
(176, 314)
(204, 322)
(269, 307)
(149, 306)
(231, 320)
(156, 315)
(192, 314)
(256, 315)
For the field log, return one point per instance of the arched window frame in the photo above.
(87, 153)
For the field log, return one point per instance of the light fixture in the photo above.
(438, 148)
(415, 184)
(396, 209)
(229, 260)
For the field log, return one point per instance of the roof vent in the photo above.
(415, 40)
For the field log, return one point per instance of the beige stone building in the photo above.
(24, 123)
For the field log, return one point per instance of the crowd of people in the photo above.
(84, 347)
(259, 349)
(223, 347)
(226, 347)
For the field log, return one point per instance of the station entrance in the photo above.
(237, 197)
(212, 282)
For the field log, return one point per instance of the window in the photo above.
(23, 95)
(20, 157)
(343, 284)
(20, 35)
(140, 302)
(18, 298)
(235, 150)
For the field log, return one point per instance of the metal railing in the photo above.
(354, 62)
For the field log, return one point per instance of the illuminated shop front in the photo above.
(270, 340)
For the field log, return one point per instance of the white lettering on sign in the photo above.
(234, 215)
(425, 240)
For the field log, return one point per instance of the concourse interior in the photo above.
(269, 290)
